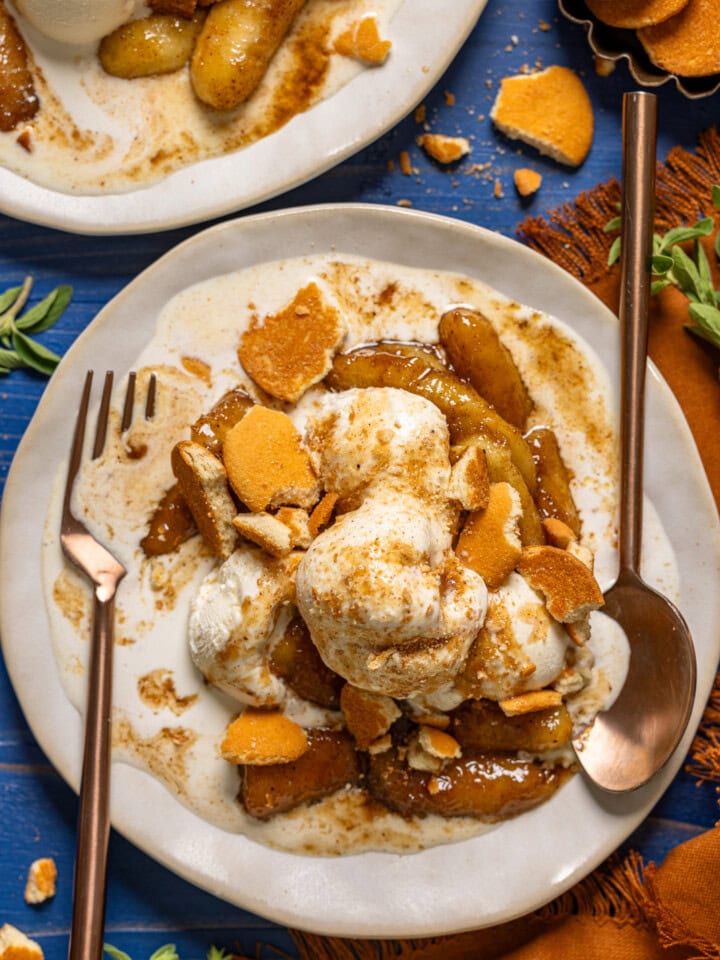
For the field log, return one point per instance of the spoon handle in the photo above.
(638, 182)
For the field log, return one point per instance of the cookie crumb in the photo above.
(527, 182)
(41, 879)
(405, 165)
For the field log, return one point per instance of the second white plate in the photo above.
(426, 34)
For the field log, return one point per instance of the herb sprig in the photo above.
(17, 346)
(166, 952)
(691, 275)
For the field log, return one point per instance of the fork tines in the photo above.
(128, 405)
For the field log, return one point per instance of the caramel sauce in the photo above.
(170, 524)
(157, 690)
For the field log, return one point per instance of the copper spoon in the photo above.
(627, 744)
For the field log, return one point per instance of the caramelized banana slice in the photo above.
(468, 415)
(482, 725)
(235, 48)
(212, 427)
(552, 495)
(150, 46)
(329, 763)
(487, 785)
(170, 524)
(420, 351)
(18, 101)
(479, 356)
(296, 660)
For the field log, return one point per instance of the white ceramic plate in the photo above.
(504, 873)
(428, 35)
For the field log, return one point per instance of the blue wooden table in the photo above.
(147, 905)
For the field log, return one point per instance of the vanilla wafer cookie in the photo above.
(633, 14)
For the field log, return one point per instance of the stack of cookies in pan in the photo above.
(681, 37)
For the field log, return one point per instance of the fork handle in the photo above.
(88, 918)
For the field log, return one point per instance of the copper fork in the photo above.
(105, 572)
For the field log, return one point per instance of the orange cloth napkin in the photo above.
(625, 910)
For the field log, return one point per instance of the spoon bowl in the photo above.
(628, 743)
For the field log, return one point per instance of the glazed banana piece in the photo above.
(150, 46)
(235, 47)
(490, 785)
(18, 101)
(480, 357)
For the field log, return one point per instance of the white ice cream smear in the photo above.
(179, 746)
(76, 21)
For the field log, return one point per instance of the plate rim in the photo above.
(113, 215)
(632, 809)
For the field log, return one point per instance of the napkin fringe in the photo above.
(704, 762)
(574, 237)
(614, 895)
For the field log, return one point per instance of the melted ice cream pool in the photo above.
(167, 721)
(97, 134)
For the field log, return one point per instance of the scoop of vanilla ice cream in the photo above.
(76, 21)
(239, 611)
(521, 646)
(379, 438)
(387, 604)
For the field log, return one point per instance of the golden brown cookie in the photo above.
(632, 14)
(288, 351)
(263, 737)
(266, 463)
(689, 43)
(550, 111)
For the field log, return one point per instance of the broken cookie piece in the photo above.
(287, 352)
(527, 182)
(442, 148)
(489, 542)
(265, 530)
(14, 945)
(203, 483)
(41, 879)
(530, 702)
(263, 737)
(266, 463)
(363, 42)
(550, 111)
(569, 587)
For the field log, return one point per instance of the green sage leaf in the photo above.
(686, 273)
(703, 265)
(682, 234)
(217, 953)
(10, 360)
(613, 224)
(614, 252)
(657, 285)
(707, 320)
(34, 354)
(661, 263)
(44, 314)
(716, 196)
(166, 952)
(115, 953)
(8, 298)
